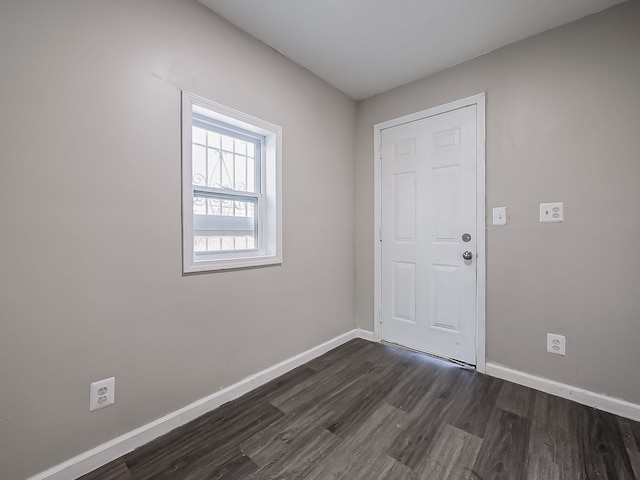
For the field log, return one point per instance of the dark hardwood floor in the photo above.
(371, 411)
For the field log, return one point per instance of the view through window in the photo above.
(225, 170)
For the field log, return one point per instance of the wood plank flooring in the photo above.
(371, 411)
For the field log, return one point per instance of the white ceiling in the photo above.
(365, 47)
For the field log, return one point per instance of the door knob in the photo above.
(467, 255)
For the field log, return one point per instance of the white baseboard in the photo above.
(366, 335)
(585, 397)
(105, 453)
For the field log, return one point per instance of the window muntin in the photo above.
(231, 174)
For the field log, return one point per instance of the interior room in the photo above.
(125, 322)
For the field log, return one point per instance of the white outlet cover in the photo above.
(103, 394)
(556, 344)
(552, 212)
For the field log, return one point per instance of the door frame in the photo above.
(481, 227)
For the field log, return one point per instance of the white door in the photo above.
(428, 223)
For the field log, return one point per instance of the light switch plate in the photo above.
(552, 212)
(500, 215)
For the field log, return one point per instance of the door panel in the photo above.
(446, 180)
(428, 203)
(404, 199)
(446, 311)
(404, 292)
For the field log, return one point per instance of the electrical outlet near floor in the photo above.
(555, 344)
(103, 394)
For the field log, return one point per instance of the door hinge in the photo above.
(380, 317)
(380, 234)
(380, 152)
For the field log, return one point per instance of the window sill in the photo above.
(232, 264)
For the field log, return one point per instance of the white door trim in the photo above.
(479, 102)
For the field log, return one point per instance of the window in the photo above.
(231, 212)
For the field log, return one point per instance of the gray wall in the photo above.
(563, 124)
(90, 257)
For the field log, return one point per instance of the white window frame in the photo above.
(268, 212)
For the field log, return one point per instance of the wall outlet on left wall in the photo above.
(103, 394)
(556, 344)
